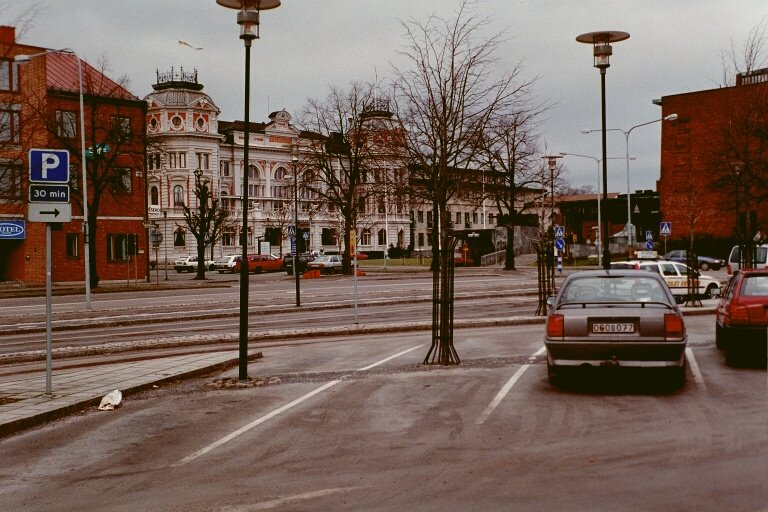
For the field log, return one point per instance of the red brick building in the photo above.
(714, 163)
(40, 108)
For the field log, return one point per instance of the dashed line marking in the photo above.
(255, 423)
(505, 389)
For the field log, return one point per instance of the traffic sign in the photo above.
(291, 230)
(665, 228)
(559, 244)
(50, 212)
(306, 235)
(559, 231)
(293, 246)
(649, 235)
(649, 245)
(48, 193)
(48, 166)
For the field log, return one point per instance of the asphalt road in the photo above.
(357, 423)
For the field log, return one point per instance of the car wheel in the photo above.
(677, 377)
(719, 337)
(552, 376)
(704, 265)
(257, 271)
(178, 271)
(211, 267)
(710, 291)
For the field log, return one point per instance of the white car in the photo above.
(327, 264)
(676, 276)
(189, 264)
(227, 263)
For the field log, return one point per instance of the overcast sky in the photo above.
(308, 45)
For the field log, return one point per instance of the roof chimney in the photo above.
(7, 34)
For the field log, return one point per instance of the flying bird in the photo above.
(184, 43)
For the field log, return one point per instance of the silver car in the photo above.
(615, 318)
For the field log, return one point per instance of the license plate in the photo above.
(613, 327)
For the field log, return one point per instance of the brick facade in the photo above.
(706, 155)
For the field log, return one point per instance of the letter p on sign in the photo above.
(49, 166)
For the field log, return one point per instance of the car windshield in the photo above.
(614, 289)
(755, 286)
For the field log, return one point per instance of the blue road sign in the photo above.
(48, 193)
(12, 230)
(49, 166)
(665, 229)
(649, 235)
(291, 230)
(559, 244)
(649, 245)
(559, 231)
(293, 246)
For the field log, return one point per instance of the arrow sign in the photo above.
(50, 212)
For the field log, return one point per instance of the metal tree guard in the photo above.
(442, 350)
(545, 263)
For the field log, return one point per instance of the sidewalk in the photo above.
(24, 402)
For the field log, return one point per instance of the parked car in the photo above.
(615, 318)
(258, 263)
(461, 260)
(704, 262)
(326, 264)
(301, 263)
(676, 276)
(741, 318)
(361, 256)
(758, 258)
(189, 264)
(227, 263)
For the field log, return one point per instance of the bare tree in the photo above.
(338, 162)
(446, 101)
(510, 154)
(113, 148)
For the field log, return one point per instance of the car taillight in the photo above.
(673, 326)
(555, 326)
(738, 314)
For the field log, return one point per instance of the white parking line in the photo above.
(505, 389)
(229, 437)
(697, 376)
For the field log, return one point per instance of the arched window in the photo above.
(178, 238)
(281, 173)
(365, 237)
(383, 237)
(154, 196)
(253, 172)
(178, 195)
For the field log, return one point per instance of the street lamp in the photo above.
(295, 244)
(599, 216)
(552, 165)
(86, 231)
(630, 228)
(602, 51)
(248, 19)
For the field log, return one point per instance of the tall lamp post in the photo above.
(295, 245)
(630, 228)
(86, 231)
(248, 19)
(602, 51)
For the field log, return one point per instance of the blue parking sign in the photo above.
(49, 166)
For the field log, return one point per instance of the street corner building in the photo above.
(41, 93)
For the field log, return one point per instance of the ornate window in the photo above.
(178, 195)
(154, 196)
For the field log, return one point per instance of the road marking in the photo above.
(374, 365)
(281, 502)
(255, 423)
(697, 376)
(506, 388)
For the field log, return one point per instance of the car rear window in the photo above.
(614, 289)
(755, 286)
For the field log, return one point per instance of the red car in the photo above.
(258, 263)
(742, 316)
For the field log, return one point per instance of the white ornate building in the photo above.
(185, 136)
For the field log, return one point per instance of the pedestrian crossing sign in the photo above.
(559, 231)
(665, 229)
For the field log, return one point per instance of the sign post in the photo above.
(665, 230)
(49, 202)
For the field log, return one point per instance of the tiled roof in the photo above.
(62, 75)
